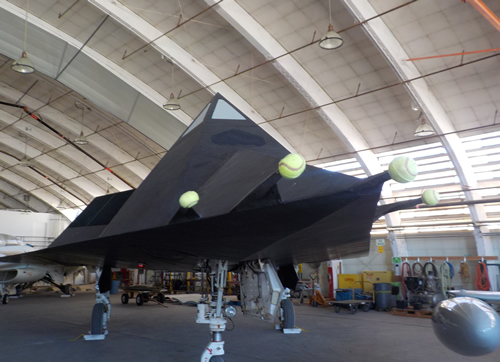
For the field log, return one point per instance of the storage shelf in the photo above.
(472, 258)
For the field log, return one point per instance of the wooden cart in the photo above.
(353, 305)
(142, 294)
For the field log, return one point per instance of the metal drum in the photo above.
(382, 295)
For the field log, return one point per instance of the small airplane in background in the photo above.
(11, 245)
(228, 197)
(23, 276)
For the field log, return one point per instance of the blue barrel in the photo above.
(382, 295)
(115, 284)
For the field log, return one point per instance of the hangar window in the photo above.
(436, 171)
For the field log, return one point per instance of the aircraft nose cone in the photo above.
(467, 326)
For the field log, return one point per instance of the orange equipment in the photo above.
(317, 299)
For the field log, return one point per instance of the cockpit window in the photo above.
(198, 120)
(14, 242)
(223, 110)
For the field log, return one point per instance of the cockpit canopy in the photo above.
(9, 240)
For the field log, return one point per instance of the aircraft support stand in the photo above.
(65, 288)
(213, 315)
(4, 293)
(102, 310)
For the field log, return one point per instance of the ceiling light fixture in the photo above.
(172, 104)
(24, 161)
(332, 39)
(414, 106)
(424, 129)
(81, 139)
(23, 65)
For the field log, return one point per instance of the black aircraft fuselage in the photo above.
(247, 211)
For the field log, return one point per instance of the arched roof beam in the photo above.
(260, 38)
(41, 181)
(17, 194)
(96, 78)
(74, 127)
(387, 43)
(298, 77)
(51, 163)
(183, 59)
(9, 202)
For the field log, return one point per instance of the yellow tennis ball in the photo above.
(292, 166)
(189, 199)
(403, 169)
(430, 197)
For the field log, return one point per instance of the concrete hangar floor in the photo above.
(46, 327)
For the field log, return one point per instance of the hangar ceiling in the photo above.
(348, 109)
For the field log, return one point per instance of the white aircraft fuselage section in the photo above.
(15, 249)
(15, 273)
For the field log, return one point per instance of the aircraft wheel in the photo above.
(337, 309)
(97, 319)
(161, 298)
(217, 359)
(5, 299)
(67, 289)
(287, 314)
(139, 300)
(125, 298)
(145, 297)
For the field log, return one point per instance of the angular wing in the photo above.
(246, 209)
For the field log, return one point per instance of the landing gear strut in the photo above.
(102, 309)
(213, 315)
(263, 296)
(65, 288)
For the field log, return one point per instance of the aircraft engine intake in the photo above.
(467, 326)
(21, 275)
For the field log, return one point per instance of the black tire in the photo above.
(337, 309)
(366, 308)
(217, 359)
(145, 297)
(161, 298)
(353, 309)
(5, 299)
(97, 319)
(287, 314)
(67, 289)
(139, 300)
(125, 298)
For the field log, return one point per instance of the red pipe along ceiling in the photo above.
(488, 14)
